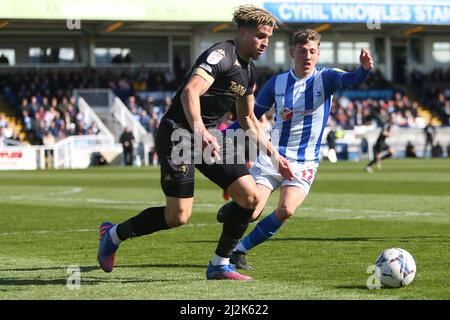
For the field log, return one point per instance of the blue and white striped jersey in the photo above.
(302, 108)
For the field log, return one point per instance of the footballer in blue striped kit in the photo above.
(302, 99)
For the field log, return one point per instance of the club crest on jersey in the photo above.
(215, 56)
(184, 169)
(286, 114)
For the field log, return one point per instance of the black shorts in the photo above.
(177, 179)
(378, 148)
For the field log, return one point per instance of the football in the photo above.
(395, 268)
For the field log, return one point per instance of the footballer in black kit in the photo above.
(381, 150)
(222, 78)
(230, 77)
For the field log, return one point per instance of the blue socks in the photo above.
(265, 229)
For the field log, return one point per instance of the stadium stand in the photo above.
(31, 92)
(143, 62)
(43, 101)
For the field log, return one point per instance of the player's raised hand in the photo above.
(366, 59)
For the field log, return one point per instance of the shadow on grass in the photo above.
(306, 239)
(82, 269)
(32, 282)
(85, 269)
(340, 239)
(373, 239)
(84, 281)
(361, 287)
(164, 265)
(349, 239)
(353, 287)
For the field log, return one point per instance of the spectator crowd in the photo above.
(44, 103)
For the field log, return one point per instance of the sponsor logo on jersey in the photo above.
(304, 112)
(286, 114)
(237, 88)
(215, 56)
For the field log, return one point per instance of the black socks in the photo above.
(148, 221)
(236, 220)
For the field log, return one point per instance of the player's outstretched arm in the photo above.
(348, 79)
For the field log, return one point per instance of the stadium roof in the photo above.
(129, 10)
(136, 28)
(424, 12)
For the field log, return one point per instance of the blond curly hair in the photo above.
(249, 15)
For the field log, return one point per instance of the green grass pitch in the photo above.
(50, 219)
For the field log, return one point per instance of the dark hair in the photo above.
(249, 15)
(305, 35)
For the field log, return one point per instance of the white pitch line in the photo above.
(45, 195)
(379, 216)
(412, 213)
(48, 198)
(380, 211)
(100, 201)
(371, 214)
(71, 191)
(45, 231)
(199, 225)
(17, 233)
(204, 205)
(388, 214)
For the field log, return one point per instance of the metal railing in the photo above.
(75, 151)
(126, 119)
(105, 100)
(91, 116)
(96, 98)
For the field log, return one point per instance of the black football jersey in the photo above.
(381, 140)
(231, 78)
